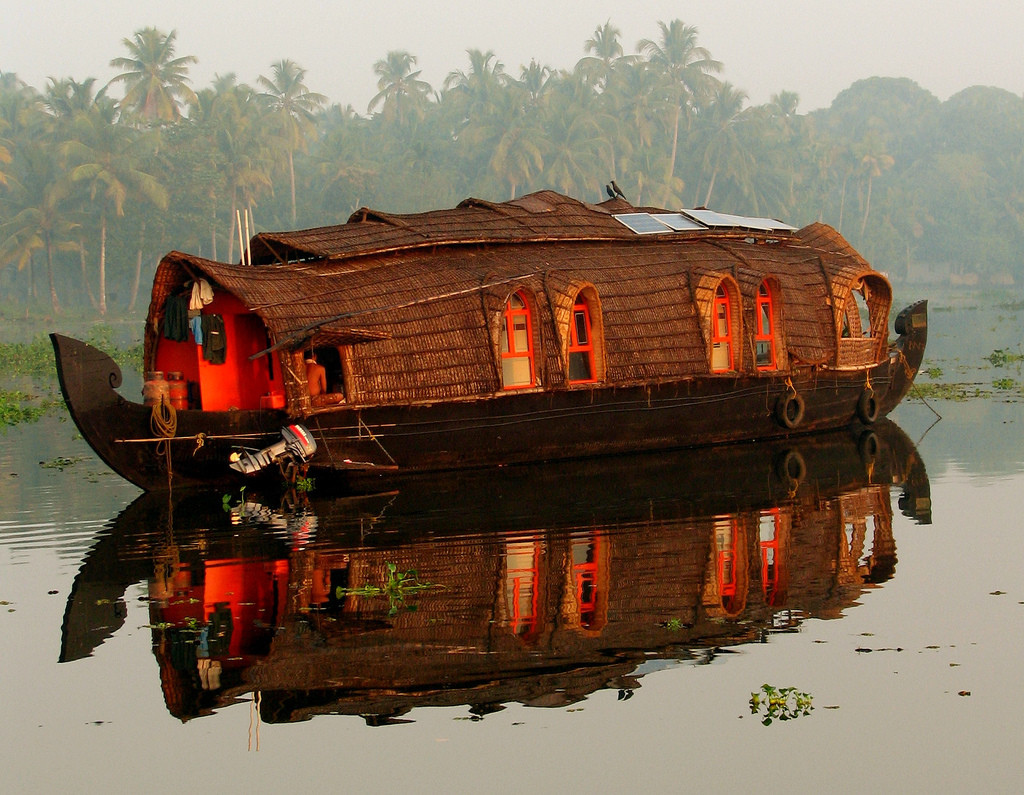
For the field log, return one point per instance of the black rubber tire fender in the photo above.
(867, 406)
(789, 410)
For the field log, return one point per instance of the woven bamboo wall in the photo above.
(436, 310)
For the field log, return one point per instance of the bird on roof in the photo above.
(618, 192)
(609, 191)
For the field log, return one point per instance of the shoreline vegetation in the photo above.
(28, 378)
(97, 182)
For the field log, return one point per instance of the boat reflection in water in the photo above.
(551, 582)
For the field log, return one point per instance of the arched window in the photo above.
(581, 344)
(517, 371)
(721, 333)
(764, 334)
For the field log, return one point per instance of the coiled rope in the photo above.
(163, 422)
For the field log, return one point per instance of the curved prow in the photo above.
(906, 353)
(88, 380)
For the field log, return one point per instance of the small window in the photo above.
(721, 333)
(517, 371)
(764, 335)
(856, 316)
(581, 345)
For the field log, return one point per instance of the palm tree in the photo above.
(155, 81)
(106, 157)
(687, 70)
(476, 95)
(534, 80)
(604, 53)
(400, 92)
(230, 118)
(344, 158)
(294, 106)
(36, 212)
(572, 149)
(634, 106)
(723, 148)
(5, 153)
(66, 97)
(873, 162)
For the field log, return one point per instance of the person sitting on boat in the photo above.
(316, 377)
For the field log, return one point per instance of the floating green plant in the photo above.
(61, 462)
(1000, 357)
(15, 408)
(780, 703)
(956, 392)
(396, 588)
(225, 500)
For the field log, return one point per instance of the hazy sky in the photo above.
(814, 47)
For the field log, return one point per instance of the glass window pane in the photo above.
(521, 335)
(515, 371)
(764, 353)
(582, 337)
(720, 356)
(579, 366)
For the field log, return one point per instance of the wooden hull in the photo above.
(359, 447)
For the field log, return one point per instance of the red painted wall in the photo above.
(238, 382)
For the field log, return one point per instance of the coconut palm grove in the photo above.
(98, 181)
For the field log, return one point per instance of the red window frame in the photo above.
(765, 311)
(509, 350)
(721, 309)
(583, 348)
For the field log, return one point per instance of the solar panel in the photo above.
(678, 221)
(642, 223)
(712, 219)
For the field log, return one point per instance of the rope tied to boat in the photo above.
(163, 422)
(200, 441)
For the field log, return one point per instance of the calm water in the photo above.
(599, 625)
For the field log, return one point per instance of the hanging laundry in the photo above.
(214, 340)
(202, 294)
(176, 319)
(196, 324)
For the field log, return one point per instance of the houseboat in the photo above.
(538, 329)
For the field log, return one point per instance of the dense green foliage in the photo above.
(93, 190)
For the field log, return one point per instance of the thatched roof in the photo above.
(424, 292)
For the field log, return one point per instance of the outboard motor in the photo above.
(296, 442)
